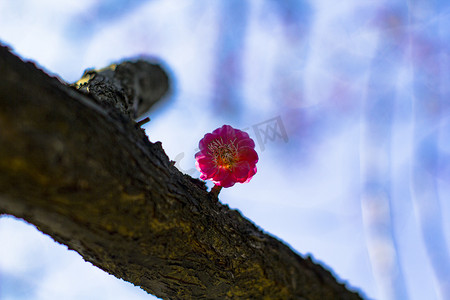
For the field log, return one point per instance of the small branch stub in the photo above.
(130, 87)
(143, 121)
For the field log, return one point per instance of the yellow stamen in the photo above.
(224, 154)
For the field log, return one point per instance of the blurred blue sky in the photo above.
(348, 103)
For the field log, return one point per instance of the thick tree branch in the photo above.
(88, 177)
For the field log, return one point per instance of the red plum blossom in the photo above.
(226, 156)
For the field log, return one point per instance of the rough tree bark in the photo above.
(84, 173)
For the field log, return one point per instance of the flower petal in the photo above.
(207, 173)
(249, 155)
(246, 143)
(241, 135)
(250, 174)
(221, 174)
(207, 139)
(200, 154)
(241, 171)
(227, 182)
(207, 169)
(221, 132)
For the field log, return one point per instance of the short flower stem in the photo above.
(143, 121)
(215, 191)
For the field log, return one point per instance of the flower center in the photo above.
(224, 155)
